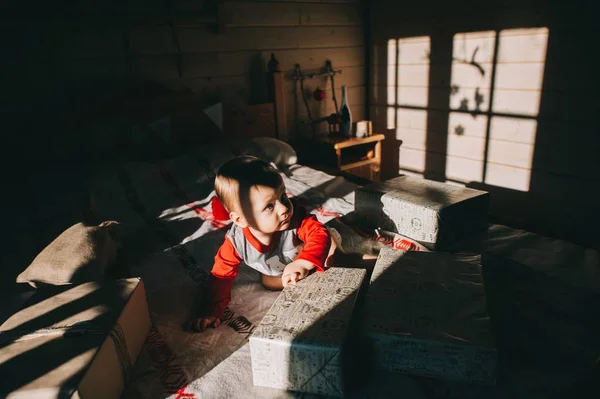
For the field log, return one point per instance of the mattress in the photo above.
(216, 363)
(172, 239)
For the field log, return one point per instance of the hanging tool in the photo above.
(299, 76)
(319, 94)
(332, 73)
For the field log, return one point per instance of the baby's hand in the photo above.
(205, 322)
(296, 271)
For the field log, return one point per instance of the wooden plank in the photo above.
(556, 144)
(551, 141)
(155, 67)
(574, 106)
(156, 39)
(214, 89)
(511, 154)
(350, 76)
(506, 176)
(92, 43)
(279, 104)
(520, 76)
(223, 88)
(549, 76)
(241, 63)
(501, 174)
(212, 64)
(91, 68)
(315, 58)
(514, 130)
(244, 13)
(198, 40)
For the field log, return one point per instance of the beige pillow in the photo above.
(81, 253)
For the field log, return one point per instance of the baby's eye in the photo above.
(269, 207)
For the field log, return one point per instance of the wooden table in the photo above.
(366, 154)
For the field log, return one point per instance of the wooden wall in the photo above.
(56, 54)
(546, 131)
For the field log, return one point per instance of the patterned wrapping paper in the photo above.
(425, 314)
(433, 213)
(74, 341)
(298, 344)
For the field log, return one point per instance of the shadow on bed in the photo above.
(21, 370)
(546, 333)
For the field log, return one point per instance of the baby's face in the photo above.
(271, 209)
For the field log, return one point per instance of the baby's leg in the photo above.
(329, 261)
(272, 283)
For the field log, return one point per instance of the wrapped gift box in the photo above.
(433, 213)
(298, 344)
(425, 314)
(74, 341)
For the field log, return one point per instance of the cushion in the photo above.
(81, 253)
(272, 150)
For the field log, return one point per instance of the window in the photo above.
(407, 97)
(494, 101)
(495, 91)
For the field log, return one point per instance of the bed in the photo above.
(162, 198)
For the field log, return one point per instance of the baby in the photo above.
(284, 244)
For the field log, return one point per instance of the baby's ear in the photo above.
(218, 210)
(238, 219)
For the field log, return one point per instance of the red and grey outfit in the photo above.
(306, 238)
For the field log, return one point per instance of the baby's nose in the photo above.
(283, 208)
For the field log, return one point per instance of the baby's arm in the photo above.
(222, 276)
(316, 248)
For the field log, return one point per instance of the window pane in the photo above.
(520, 71)
(391, 71)
(466, 147)
(518, 90)
(412, 130)
(413, 71)
(472, 57)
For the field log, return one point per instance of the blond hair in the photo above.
(237, 176)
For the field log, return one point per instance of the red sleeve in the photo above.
(222, 276)
(316, 241)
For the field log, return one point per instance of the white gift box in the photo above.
(432, 213)
(425, 314)
(299, 343)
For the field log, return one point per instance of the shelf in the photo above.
(339, 143)
(359, 164)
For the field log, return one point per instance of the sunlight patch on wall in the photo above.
(508, 176)
(502, 156)
(466, 147)
(408, 88)
(413, 71)
(510, 157)
(518, 90)
(412, 130)
(472, 62)
(392, 51)
(412, 125)
(391, 118)
(411, 160)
